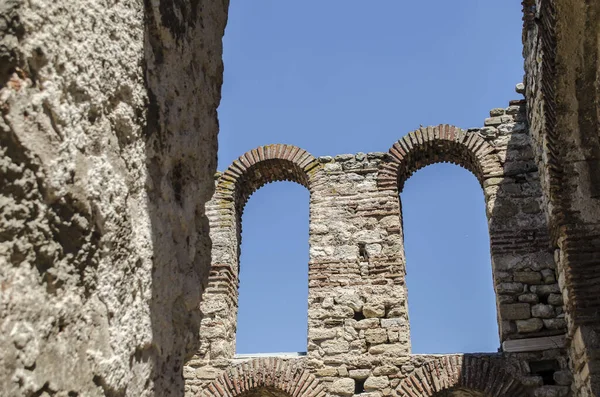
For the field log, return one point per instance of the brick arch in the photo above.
(442, 143)
(265, 164)
(461, 372)
(270, 373)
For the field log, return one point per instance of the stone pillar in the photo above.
(357, 294)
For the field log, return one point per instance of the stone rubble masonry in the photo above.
(107, 153)
(562, 70)
(358, 325)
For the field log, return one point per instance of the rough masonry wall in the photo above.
(562, 65)
(107, 151)
(358, 325)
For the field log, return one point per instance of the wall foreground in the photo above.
(107, 155)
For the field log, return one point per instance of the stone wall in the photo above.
(562, 66)
(358, 325)
(107, 150)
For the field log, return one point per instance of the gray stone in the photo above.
(530, 325)
(529, 298)
(344, 157)
(555, 299)
(555, 323)
(520, 88)
(545, 290)
(549, 276)
(493, 121)
(509, 288)
(542, 311)
(351, 300)
(563, 378)
(515, 311)
(528, 277)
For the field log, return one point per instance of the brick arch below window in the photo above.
(445, 374)
(277, 375)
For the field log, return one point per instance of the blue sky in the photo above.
(352, 76)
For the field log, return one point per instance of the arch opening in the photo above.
(446, 235)
(273, 277)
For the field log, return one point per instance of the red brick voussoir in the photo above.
(273, 373)
(439, 144)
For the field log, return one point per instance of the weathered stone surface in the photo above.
(376, 336)
(371, 310)
(104, 245)
(530, 325)
(342, 387)
(359, 373)
(528, 277)
(374, 383)
(542, 311)
(515, 311)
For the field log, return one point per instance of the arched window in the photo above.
(452, 305)
(273, 288)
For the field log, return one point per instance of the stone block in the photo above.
(493, 121)
(322, 333)
(392, 322)
(545, 290)
(329, 371)
(529, 298)
(373, 310)
(555, 323)
(342, 387)
(335, 346)
(376, 336)
(555, 299)
(563, 378)
(528, 277)
(530, 325)
(359, 373)
(367, 323)
(509, 288)
(496, 112)
(542, 311)
(549, 276)
(515, 311)
(375, 383)
(385, 370)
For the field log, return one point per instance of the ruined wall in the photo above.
(561, 50)
(107, 151)
(358, 325)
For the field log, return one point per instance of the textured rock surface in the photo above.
(561, 41)
(107, 151)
